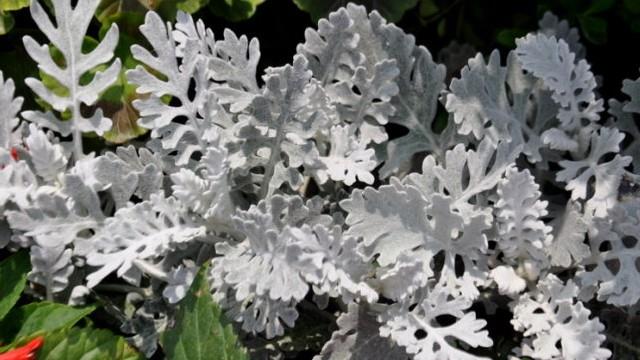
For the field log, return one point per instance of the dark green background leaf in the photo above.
(13, 277)
(234, 10)
(392, 10)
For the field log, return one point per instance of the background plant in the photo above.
(362, 187)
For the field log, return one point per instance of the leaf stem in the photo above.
(274, 156)
(151, 270)
(122, 288)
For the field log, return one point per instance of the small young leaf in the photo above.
(13, 275)
(199, 331)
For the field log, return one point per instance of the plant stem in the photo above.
(274, 156)
(623, 343)
(122, 288)
(77, 144)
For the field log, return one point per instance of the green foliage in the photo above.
(592, 24)
(108, 9)
(392, 10)
(591, 16)
(13, 277)
(117, 104)
(39, 318)
(200, 332)
(117, 100)
(86, 344)
(169, 8)
(55, 322)
(507, 37)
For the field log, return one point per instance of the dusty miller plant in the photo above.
(290, 185)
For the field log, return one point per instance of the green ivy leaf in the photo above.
(109, 9)
(129, 25)
(392, 10)
(38, 318)
(632, 6)
(86, 344)
(234, 10)
(124, 117)
(507, 37)
(117, 101)
(594, 28)
(13, 277)
(169, 8)
(599, 6)
(428, 8)
(200, 332)
(113, 8)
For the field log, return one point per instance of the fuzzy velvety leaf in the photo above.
(414, 325)
(166, 76)
(199, 331)
(496, 102)
(67, 36)
(395, 219)
(10, 106)
(521, 231)
(578, 174)
(612, 268)
(144, 231)
(555, 325)
(358, 338)
(571, 81)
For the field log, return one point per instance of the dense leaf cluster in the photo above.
(523, 199)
